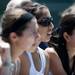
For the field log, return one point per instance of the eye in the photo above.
(46, 21)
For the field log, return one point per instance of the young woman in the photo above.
(65, 44)
(52, 60)
(20, 30)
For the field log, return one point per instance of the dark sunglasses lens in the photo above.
(46, 21)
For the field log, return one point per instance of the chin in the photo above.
(46, 40)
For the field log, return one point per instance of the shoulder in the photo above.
(55, 62)
(52, 55)
(51, 51)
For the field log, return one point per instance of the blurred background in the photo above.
(56, 7)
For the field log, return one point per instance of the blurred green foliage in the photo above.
(3, 5)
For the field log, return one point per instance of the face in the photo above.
(30, 38)
(45, 31)
(71, 40)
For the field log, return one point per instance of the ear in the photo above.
(66, 36)
(13, 37)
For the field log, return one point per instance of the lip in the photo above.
(49, 35)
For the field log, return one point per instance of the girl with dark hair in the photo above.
(40, 62)
(65, 44)
(44, 19)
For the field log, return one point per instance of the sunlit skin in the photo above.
(51, 55)
(27, 42)
(46, 31)
(28, 39)
(54, 59)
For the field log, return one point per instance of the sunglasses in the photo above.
(46, 21)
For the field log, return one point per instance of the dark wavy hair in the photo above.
(67, 24)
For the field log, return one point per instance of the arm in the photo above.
(5, 67)
(55, 64)
(5, 57)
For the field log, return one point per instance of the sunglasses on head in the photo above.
(45, 21)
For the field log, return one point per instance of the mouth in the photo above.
(49, 35)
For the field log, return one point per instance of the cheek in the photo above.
(27, 44)
(43, 33)
(44, 36)
(72, 41)
(30, 41)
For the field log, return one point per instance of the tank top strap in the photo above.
(43, 63)
(43, 59)
(30, 58)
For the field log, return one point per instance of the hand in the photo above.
(4, 51)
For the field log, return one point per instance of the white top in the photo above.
(33, 70)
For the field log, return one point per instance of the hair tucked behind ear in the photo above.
(9, 18)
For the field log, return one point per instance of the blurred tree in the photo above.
(3, 5)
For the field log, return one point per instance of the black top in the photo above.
(43, 45)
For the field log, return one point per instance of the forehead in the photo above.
(33, 24)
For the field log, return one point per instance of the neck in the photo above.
(36, 51)
(15, 52)
(71, 51)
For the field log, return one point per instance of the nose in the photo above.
(52, 25)
(50, 28)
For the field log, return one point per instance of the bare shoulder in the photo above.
(52, 54)
(51, 51)
(55, 62)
